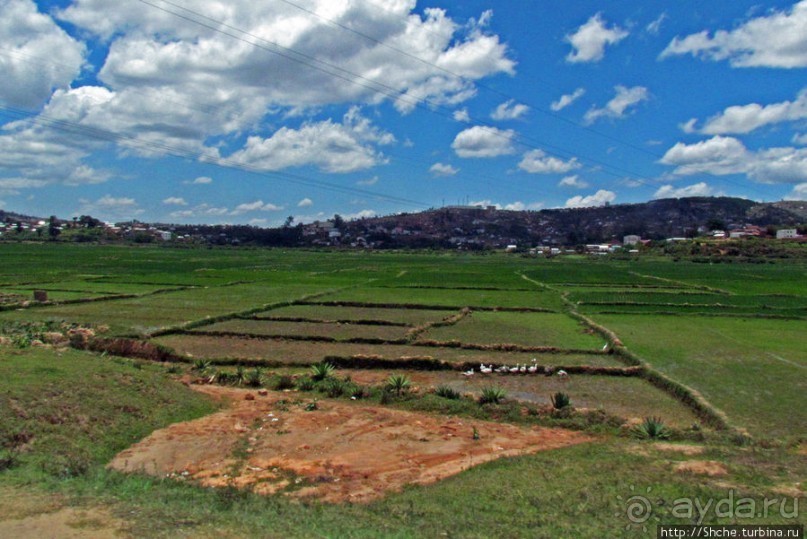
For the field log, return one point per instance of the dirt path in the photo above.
(342, 451)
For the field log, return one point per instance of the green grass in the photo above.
(308, 329)
(75, 410)
(414, 317)
(752, 369)
(150, 313)
(536, 299)
(525, 329)
(214, 347)
(72, 411)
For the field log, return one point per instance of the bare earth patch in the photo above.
(709, 468)
(684, 449)
(342, 451)
(66, 523)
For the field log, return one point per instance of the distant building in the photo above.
(786, 234)
(631, 240)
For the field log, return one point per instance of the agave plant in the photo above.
(447, 392)
(492, 395)
(335, 388)
(201, 365)
(306, 384)
(398, 383)
(240, 376)
(652, 428)
(560, 400)
(254, 378)
(321, 371)
(284, 382)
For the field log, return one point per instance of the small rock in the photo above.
(249, 397)
(263, 392)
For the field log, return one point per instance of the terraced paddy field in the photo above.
(755, 370)
(278, 351)
(525, 329)
(688, 404)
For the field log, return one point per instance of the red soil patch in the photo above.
(342, 451)
(709, 468)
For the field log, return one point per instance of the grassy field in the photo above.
(308, 329)
(535, 299)
(288, 351)
(64, 413)
(754, 370)
(526, 329)
(545, 494)
(412, 317)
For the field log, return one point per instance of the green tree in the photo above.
(53, 227)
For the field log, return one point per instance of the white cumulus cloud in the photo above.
(481, 141)
(538, 162)
(510, 110)
(700, 189)
(257, 205)
(567, 99)
(37, 56)
(590, 40)
(799, 192)
(743, 119)
(305, 203)
(625, 98)
(720, 156)
(336, 148)
(776, 39)
(442, 169)
(462, 115)
(175, 201)
(521, 206)
(573, 181)
(600, 198)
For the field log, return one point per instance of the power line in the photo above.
(109, 136)
(305, 59)
(477, 83)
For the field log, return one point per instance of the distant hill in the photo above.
(657, 219)
(472, 227)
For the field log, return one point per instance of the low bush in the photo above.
(447, 392)
(492, 395)
(652, 428)
(398, 384)
(321, 371)
(560, 400)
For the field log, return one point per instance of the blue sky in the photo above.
(213, 111)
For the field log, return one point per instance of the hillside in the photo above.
(657, 219)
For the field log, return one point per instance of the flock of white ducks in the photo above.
(511, 369)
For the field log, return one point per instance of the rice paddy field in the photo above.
(715, 355)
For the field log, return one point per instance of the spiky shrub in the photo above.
(201, 365)
(254, 378)
(652, 428)
(220, 377)
(284, 381)
(334, 387)
(358, 392)
(398, 384)
(492, 395)
(306, 384)
(321, 371)
(447, 392)
(240, 376)
(560, 400)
